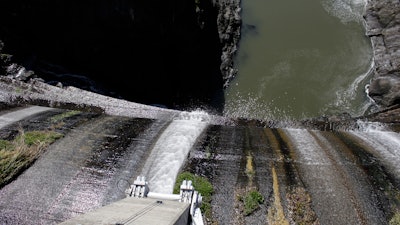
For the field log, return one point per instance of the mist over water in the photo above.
(300, 59)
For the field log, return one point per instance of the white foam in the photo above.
(346, 10)
(251, 106)
(385, 145)
(345, 98)
(309, 152)
(171, 150)
(370, 126)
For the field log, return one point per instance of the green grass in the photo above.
(20, 153)
(251, 200)
(200, 184)
(6, 145)
(64, 115)
(38, 137)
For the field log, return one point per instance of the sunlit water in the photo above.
(376, 138)
(171, 150)
(384, 144)
(300, 59)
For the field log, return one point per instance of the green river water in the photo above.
(300, 59)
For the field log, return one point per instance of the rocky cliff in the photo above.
(153, 52)
(383, 27)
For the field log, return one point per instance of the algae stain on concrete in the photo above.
(250, 168)
(276, 215)
(298, 200)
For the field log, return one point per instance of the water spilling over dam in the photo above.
(348, 180)
(171, 150)
(339, 176)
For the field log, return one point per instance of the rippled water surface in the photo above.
(300, 59)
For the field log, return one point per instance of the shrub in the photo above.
(200, 184)
(251, 201)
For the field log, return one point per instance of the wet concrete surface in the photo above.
(346, 184)
(77, 173)
(347, 179)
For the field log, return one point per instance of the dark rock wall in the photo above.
(151, 52)
(383, 27)
(229, 28)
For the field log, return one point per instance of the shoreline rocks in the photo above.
(382, 20)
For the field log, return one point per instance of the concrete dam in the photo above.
(135, 89)
(305, 176)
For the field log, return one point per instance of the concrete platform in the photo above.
(136, 211)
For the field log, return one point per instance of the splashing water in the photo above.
(171, 149)
(251, 107)
(364, 126)
(346, 10)
(385, 144)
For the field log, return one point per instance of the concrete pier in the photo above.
(136, 211)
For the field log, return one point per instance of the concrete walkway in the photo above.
(136, 211)
(18, 115)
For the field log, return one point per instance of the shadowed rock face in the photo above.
(383, 26)
(152, 52)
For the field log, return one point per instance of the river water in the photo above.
(300, 59)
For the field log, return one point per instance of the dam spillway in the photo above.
(340, 177)
(343, 175)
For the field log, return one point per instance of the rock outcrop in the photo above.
(229, 28)
(383, 27)
(152, 52)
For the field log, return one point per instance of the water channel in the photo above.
(300, 59)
